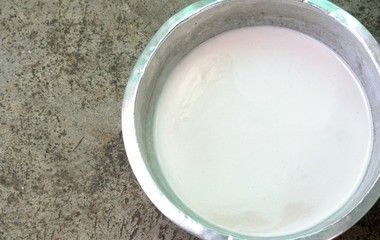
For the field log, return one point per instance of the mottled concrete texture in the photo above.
(63, 68)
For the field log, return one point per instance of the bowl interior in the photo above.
(318, 19)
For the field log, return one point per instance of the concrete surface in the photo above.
(63, 68)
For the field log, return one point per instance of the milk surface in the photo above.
(263, 131)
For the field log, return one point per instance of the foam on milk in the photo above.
(263, 131)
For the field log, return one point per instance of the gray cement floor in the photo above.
(63, 68)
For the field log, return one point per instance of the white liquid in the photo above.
(263, 131)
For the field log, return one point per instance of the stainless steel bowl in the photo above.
(200, 21)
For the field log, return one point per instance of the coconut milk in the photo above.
(263, 131)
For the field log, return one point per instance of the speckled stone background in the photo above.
(63, 68)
